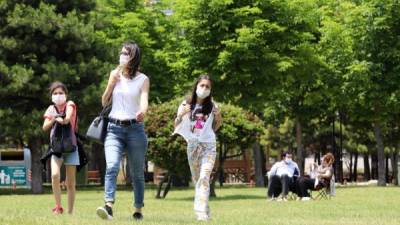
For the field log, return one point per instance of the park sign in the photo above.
(11, 176)
(15, 167)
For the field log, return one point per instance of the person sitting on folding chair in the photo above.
(319, 179)
(282, 177)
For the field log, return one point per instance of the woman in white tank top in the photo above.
(128, 91)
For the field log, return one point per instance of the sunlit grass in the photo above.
(234, 205)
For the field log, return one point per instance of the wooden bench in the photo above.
(93, 176)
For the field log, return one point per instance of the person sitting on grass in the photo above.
(319, 178)
(282, 177)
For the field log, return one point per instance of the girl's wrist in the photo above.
(178, 119)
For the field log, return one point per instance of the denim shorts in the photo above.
(69, 159)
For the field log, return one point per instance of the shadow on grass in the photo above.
(221, 198)
(80, 188)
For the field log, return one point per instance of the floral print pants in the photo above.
(201, 157)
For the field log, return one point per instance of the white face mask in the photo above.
(288, 160)
(123, 59)
(58, 99)
(202, 93)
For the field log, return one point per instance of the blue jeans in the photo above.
(133, 140)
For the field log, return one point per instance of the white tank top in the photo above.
(205, 135)
(126, 97)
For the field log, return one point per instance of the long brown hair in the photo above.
(207, 104)
(329, 158)
(135, 57)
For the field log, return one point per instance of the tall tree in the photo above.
(150, 27)
(40, 42)
(359, 41)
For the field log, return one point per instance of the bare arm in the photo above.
(273, 170)
(182, 110)
(68, 114)
(217, 119)
(48, 123)
(112, 80)
(144, 96)
(325, 174)
(144, 100)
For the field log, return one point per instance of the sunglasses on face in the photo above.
(124, 53)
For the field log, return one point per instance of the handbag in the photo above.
(62, 140)
(98, 128)
(62, 136)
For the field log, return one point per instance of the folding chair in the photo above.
(325, 192)
(321, 193)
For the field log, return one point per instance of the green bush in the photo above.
(240, 128)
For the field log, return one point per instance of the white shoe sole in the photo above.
(102, 213)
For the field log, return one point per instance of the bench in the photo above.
(93, 176)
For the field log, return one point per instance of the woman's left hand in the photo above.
(140, 116)
(59, 120)
(217, 112)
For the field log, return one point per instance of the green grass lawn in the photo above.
(234, 205)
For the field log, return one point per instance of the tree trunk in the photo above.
(299, 143)
(220, 172)
(48, 171)
(381, 154)
(374, 166)
(355, 174)
(351, 167)
(34, 145)
(99, 160)
(267, 166)
(337, 164)
(387, 169)
(393, 160)
(166, 190)
(165, 179)
(258, 165)
(267, 154)
(367, 170)
(317, 158)
(340, 152)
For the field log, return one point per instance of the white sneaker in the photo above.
(203, 218)
(305, 198)
(105, 212)
(272, 199)
(282, 199)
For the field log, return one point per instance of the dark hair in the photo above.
(284, 154)
(207, 104)
(135, 57)
(57, 84)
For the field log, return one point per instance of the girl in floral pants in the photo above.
(197, 120)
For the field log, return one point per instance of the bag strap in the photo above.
(106, 110)
(65, 111)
